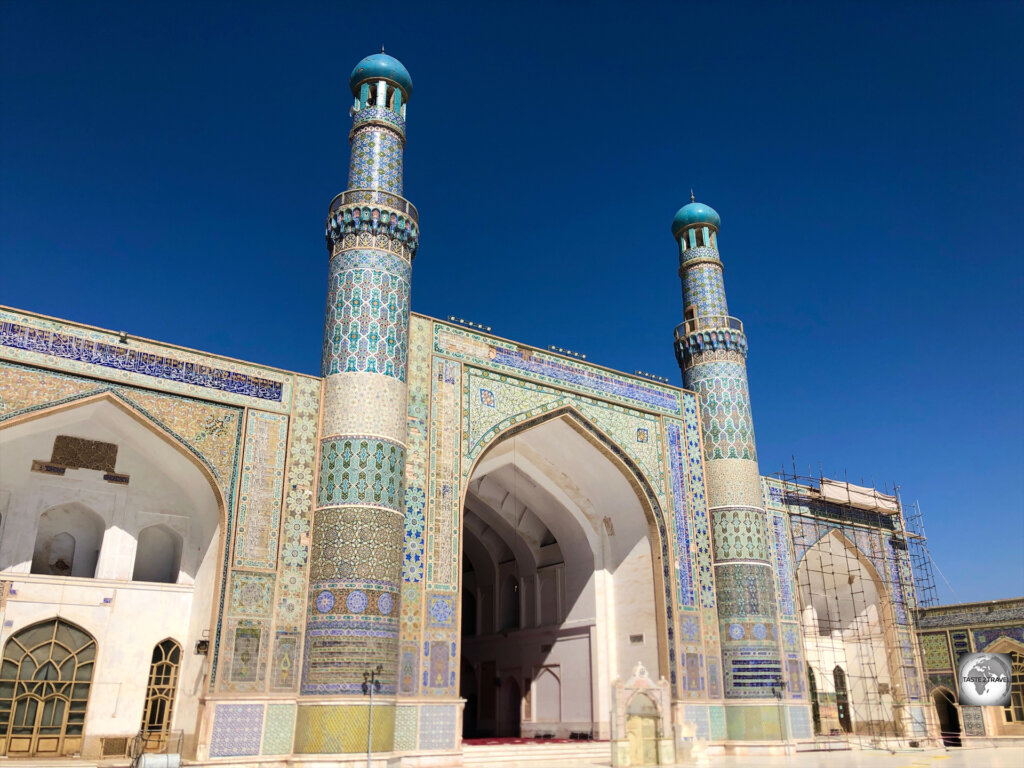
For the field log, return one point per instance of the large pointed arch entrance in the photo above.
(849, 640)
(562, 586)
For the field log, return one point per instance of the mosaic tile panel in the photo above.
(895, 585)
(800, 723)
(352, 627)
(360, 470)
(251, 593)
(437, 727)
(367, 322)
(284, 672)
(414, 556)
(211, 432)
(728, 429)
(339, 729)
(935, 649)
(698, 501)
(733, 483)
(681, 522)
(293, 558)
(246, 654)
(698, 715)
(974, 721)
(703, 288)
(963, 615)
(961, 645)
(739, 534)
(406, 735)
(259, 501)
(985, 636)
(786, 575)
(488, 352)
(278, 729)
(376, 160)
(38, 341)
(365, 404)
(355, 542)
(237, 729)
(444, 515)
(495, 402)
(716, 716)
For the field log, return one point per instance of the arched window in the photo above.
(1015, 712)
(68, 542)
(163, 683)
(842, 699)
(158, 555)
(44, 689)
(812, 691)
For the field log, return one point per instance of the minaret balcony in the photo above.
(710, 333)
(375, 219)
(390, 200)
(709, 323)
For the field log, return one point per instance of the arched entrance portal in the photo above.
(949, 718)
(849, 640)
(560, 582)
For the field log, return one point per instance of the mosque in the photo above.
(445, 539)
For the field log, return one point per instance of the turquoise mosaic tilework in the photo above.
(367, 323)
(716, 717)
(278, 729)
(358, 470)
(725, 409)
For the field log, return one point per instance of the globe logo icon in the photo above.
(985, 679)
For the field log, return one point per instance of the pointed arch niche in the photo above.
(140, 533)
(849, 639)
(563, 555)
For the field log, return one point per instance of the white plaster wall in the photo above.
(635, 613)
(126, 618)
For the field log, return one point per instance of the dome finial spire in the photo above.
(692, 198)
(382, 49)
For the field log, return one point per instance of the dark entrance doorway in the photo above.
(949, 718)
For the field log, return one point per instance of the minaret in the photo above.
(356, 551)
(712, 349)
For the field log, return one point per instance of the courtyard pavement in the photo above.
(980, 757)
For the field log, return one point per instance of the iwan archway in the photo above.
(561, 584)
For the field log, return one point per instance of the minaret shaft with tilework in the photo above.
(711, 349)
(356, 548)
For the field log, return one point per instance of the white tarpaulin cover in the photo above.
(858, 496)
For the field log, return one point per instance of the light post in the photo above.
(371, 684)
(779, 689)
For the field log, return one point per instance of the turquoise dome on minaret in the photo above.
(380, 66)
(695, 213)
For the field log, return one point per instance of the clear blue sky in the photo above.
(165, 168)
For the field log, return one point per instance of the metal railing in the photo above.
(709, 323)
(374, 197)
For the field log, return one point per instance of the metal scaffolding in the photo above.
(858, 600)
